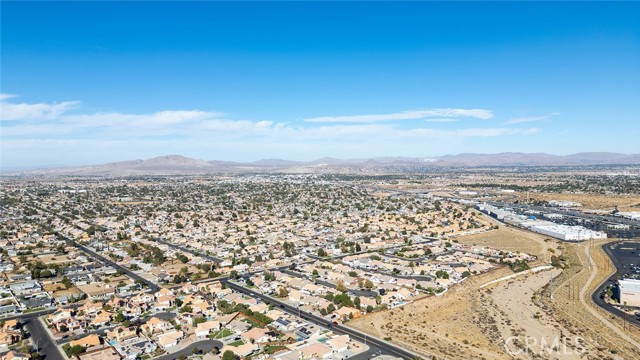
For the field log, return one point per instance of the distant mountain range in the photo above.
(180, 165)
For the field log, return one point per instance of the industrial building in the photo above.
(630, 292)
(562, 232)
(567, 233)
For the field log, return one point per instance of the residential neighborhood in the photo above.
(127, 269)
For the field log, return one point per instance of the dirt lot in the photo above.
(471, 323)
(512, 239)
(591, 201)
(444, 326)
(567, 308)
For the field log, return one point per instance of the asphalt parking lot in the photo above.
(626, 258)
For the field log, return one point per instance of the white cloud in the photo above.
(5, 96)
(264, 124)
(37, 111)
(405, 115)
(446, 120)
(50, 131)
(158, 119)
(526, 119)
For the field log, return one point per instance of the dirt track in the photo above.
(472, 323)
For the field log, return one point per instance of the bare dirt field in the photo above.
(444, 326)
(511, 239)
(500, 320)
(591, 201)
(567, 308)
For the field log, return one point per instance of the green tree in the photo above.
(228, 355)
(340, 286)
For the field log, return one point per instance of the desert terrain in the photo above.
(500, 320)
(591, 201)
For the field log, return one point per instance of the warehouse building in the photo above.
(630, 292)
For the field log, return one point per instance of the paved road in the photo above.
(152, 286)
(622, 255)
(193, 252)
(204, 345)
(40, 337)
(374, 343)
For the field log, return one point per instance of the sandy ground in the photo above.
(572, 306)
(499, 321)
(591, 201)
(512, 239)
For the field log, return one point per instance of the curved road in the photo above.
(594, 271)
(595, 296)
(204, 345)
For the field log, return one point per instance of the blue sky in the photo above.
(91, 82)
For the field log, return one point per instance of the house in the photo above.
(87, 341)
(315, 350)
(122, 334)
(256, 335)
(346, 312)
(242, 350)
(9, 337)
(102, 318)
(27, 287)
(107, 353)
(135, 348)
(339, 343)
(170, 338)
(156, 325)
(163, 302)
(14, 355)
(204, 329)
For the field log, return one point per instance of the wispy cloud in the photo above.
(446, 120)
(50, 130)
(5, 96)
(526, 119)
(37, 111)
(405, 115)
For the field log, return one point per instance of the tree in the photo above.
(331, 308)
(185, 309)
(66, 282)
(368, 284)
(340, 286)
(369, 308)
(120, 317)
(283, 292)
(356, 302)
(73, 350)
(228, 355)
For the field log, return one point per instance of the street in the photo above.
(622, 255)
(374, 343)
(40, 337)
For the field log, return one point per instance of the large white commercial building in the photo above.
(630, 292)
(558, 231)
(567, 233)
